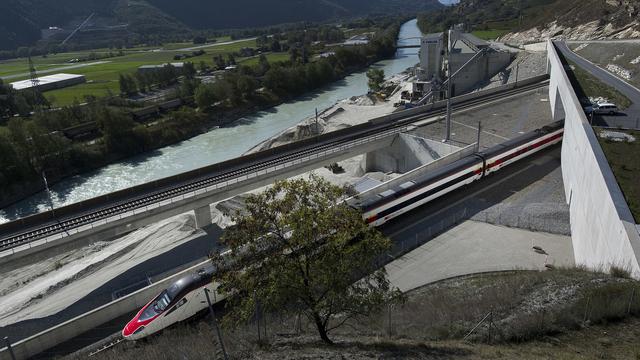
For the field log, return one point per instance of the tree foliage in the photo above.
(299, 247)
(376, 78)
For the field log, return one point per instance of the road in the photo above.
(630, 118)
(213, 45)
(58, 69)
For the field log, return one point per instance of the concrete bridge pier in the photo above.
(203, 216)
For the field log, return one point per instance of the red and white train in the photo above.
(186, 297)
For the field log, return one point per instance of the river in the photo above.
(214, 146)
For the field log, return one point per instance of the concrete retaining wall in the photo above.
(602, 227)
(406, 153)
(431, 166)
(38, 343)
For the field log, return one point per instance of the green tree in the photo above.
(231, 59)
(205, 96)
(219, 62)
(263, 64)
(189, 70)
(316, 255)
(376, 78)
(128, 85)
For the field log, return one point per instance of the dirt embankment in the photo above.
(559, 314)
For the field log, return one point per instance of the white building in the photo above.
(431, 50)
(51, 82)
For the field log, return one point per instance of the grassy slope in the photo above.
(592, 87)
(624, 159)
(621, 54)
(539, 308)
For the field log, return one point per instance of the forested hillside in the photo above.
(21, 20)
(205, 14)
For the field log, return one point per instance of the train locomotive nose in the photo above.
(132, 328)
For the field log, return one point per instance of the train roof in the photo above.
(192, 281)
(387, 190)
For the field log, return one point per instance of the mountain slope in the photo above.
(21, 20)
(585, 19)
(207, 14)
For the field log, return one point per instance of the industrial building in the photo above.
(471, 59)
(51, 82)
(431, 52)
(152, 68)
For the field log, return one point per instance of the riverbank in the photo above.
(344, 113)
(211, 147)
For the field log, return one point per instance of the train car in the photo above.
(186, 297)
(180, 301)
(380, 207)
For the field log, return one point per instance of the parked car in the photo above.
(605, 108)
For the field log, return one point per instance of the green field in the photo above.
(103, 78)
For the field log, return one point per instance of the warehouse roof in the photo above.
(50, 79)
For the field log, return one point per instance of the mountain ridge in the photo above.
(22, 20)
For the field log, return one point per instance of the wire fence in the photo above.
(404, 246)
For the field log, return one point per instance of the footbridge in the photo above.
(115, 214)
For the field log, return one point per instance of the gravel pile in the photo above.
(546, 217)
(528, 64)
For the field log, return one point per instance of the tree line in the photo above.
(34, 144)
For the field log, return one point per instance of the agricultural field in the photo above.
(102, 75)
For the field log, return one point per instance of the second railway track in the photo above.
(109, 209)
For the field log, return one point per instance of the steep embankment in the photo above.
(581, 20)
(525, 21)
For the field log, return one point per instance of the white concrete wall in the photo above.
(406, 153)
(602, 227)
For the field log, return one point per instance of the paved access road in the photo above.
(630, 117)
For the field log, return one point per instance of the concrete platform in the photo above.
(474, 247)
(501, 121)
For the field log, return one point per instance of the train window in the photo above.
(156, 307)
(387, 193)
(180, 303)
(407, 185)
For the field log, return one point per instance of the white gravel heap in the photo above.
(620, 71)
(617, 136)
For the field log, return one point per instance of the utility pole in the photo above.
(478, 139)
(447, 136)
(215, 324)
(35, 84)
(8, 343)
(317, 128)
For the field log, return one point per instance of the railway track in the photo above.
(106, 347)
(97, 213)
